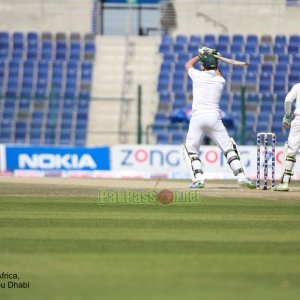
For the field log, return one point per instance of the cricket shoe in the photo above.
(282, 187)
(250, 184)
(197, 185)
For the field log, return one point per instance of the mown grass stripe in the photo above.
(11, 245)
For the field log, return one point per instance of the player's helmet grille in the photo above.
(209, 61)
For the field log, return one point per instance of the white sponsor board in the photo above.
(2, 158)
(167, 161)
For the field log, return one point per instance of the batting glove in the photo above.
(286, 121)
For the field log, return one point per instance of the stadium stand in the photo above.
(45, 87)
(274, 68)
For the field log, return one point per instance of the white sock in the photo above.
(242, 177)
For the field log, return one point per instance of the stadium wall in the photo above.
(236, 17)
(46, 15)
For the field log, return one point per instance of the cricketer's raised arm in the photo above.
(289, 99)
(191, 63)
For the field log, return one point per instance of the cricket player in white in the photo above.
(208, 85)
(293, 144)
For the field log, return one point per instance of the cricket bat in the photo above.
(234, 62)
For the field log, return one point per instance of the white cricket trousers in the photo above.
(294, 137)
(210, 124)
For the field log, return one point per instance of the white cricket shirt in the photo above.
(207, 89)
(294, 94)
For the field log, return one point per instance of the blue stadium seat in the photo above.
(267, 68)
(265, 49)
(75, 51)
(86, 71)
(20, 132)
(181, 39)
(83, 106)
(241, 57)
(238, 39)
(165, 48)
(89, 50)
(84, 96)
(164, 75)
(263, 126)
(4, 45)
(283, 59)
(165, 96)
(4, 53)
(163, 85)
(237, 80)
(296, 59)
(161, 118)
(178, 104)
(266, 107)
(252, 39)
(169, 58)
(237, 48)
(193, 49)
(253, 98)
(223, 48)
(295, 68)
(162, 138)
(294, 76)
(294, 40)
(72, 68)
(24, 104)
(37, 117)
(266, 82)
(225, 68)
(61, 50)
(179, 48)
(279, 49)
(280, 83)
(177, 138)
(8, 114)
(280, 39)
(209, 39)
(28, 68)
(180, 95)
(4, 38)
(251, 81)
(253, 68)
(196, 39)
(32, 38)
(69, 95)
(236, 107)
(43, 69)
(72, 85)
(183, 57)
(251, 49)
(255, 58)
(179, 82)
(281, 68)
(250, 121)
(46, 50)
(223, 39)
(293, 49)
(166, 39)
(65, 138)
(5, 130)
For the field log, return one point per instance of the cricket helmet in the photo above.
(209, 61)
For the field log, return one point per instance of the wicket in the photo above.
(265, 136)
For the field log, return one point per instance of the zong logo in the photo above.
(56, 161)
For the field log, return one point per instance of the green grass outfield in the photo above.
(70, 247)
